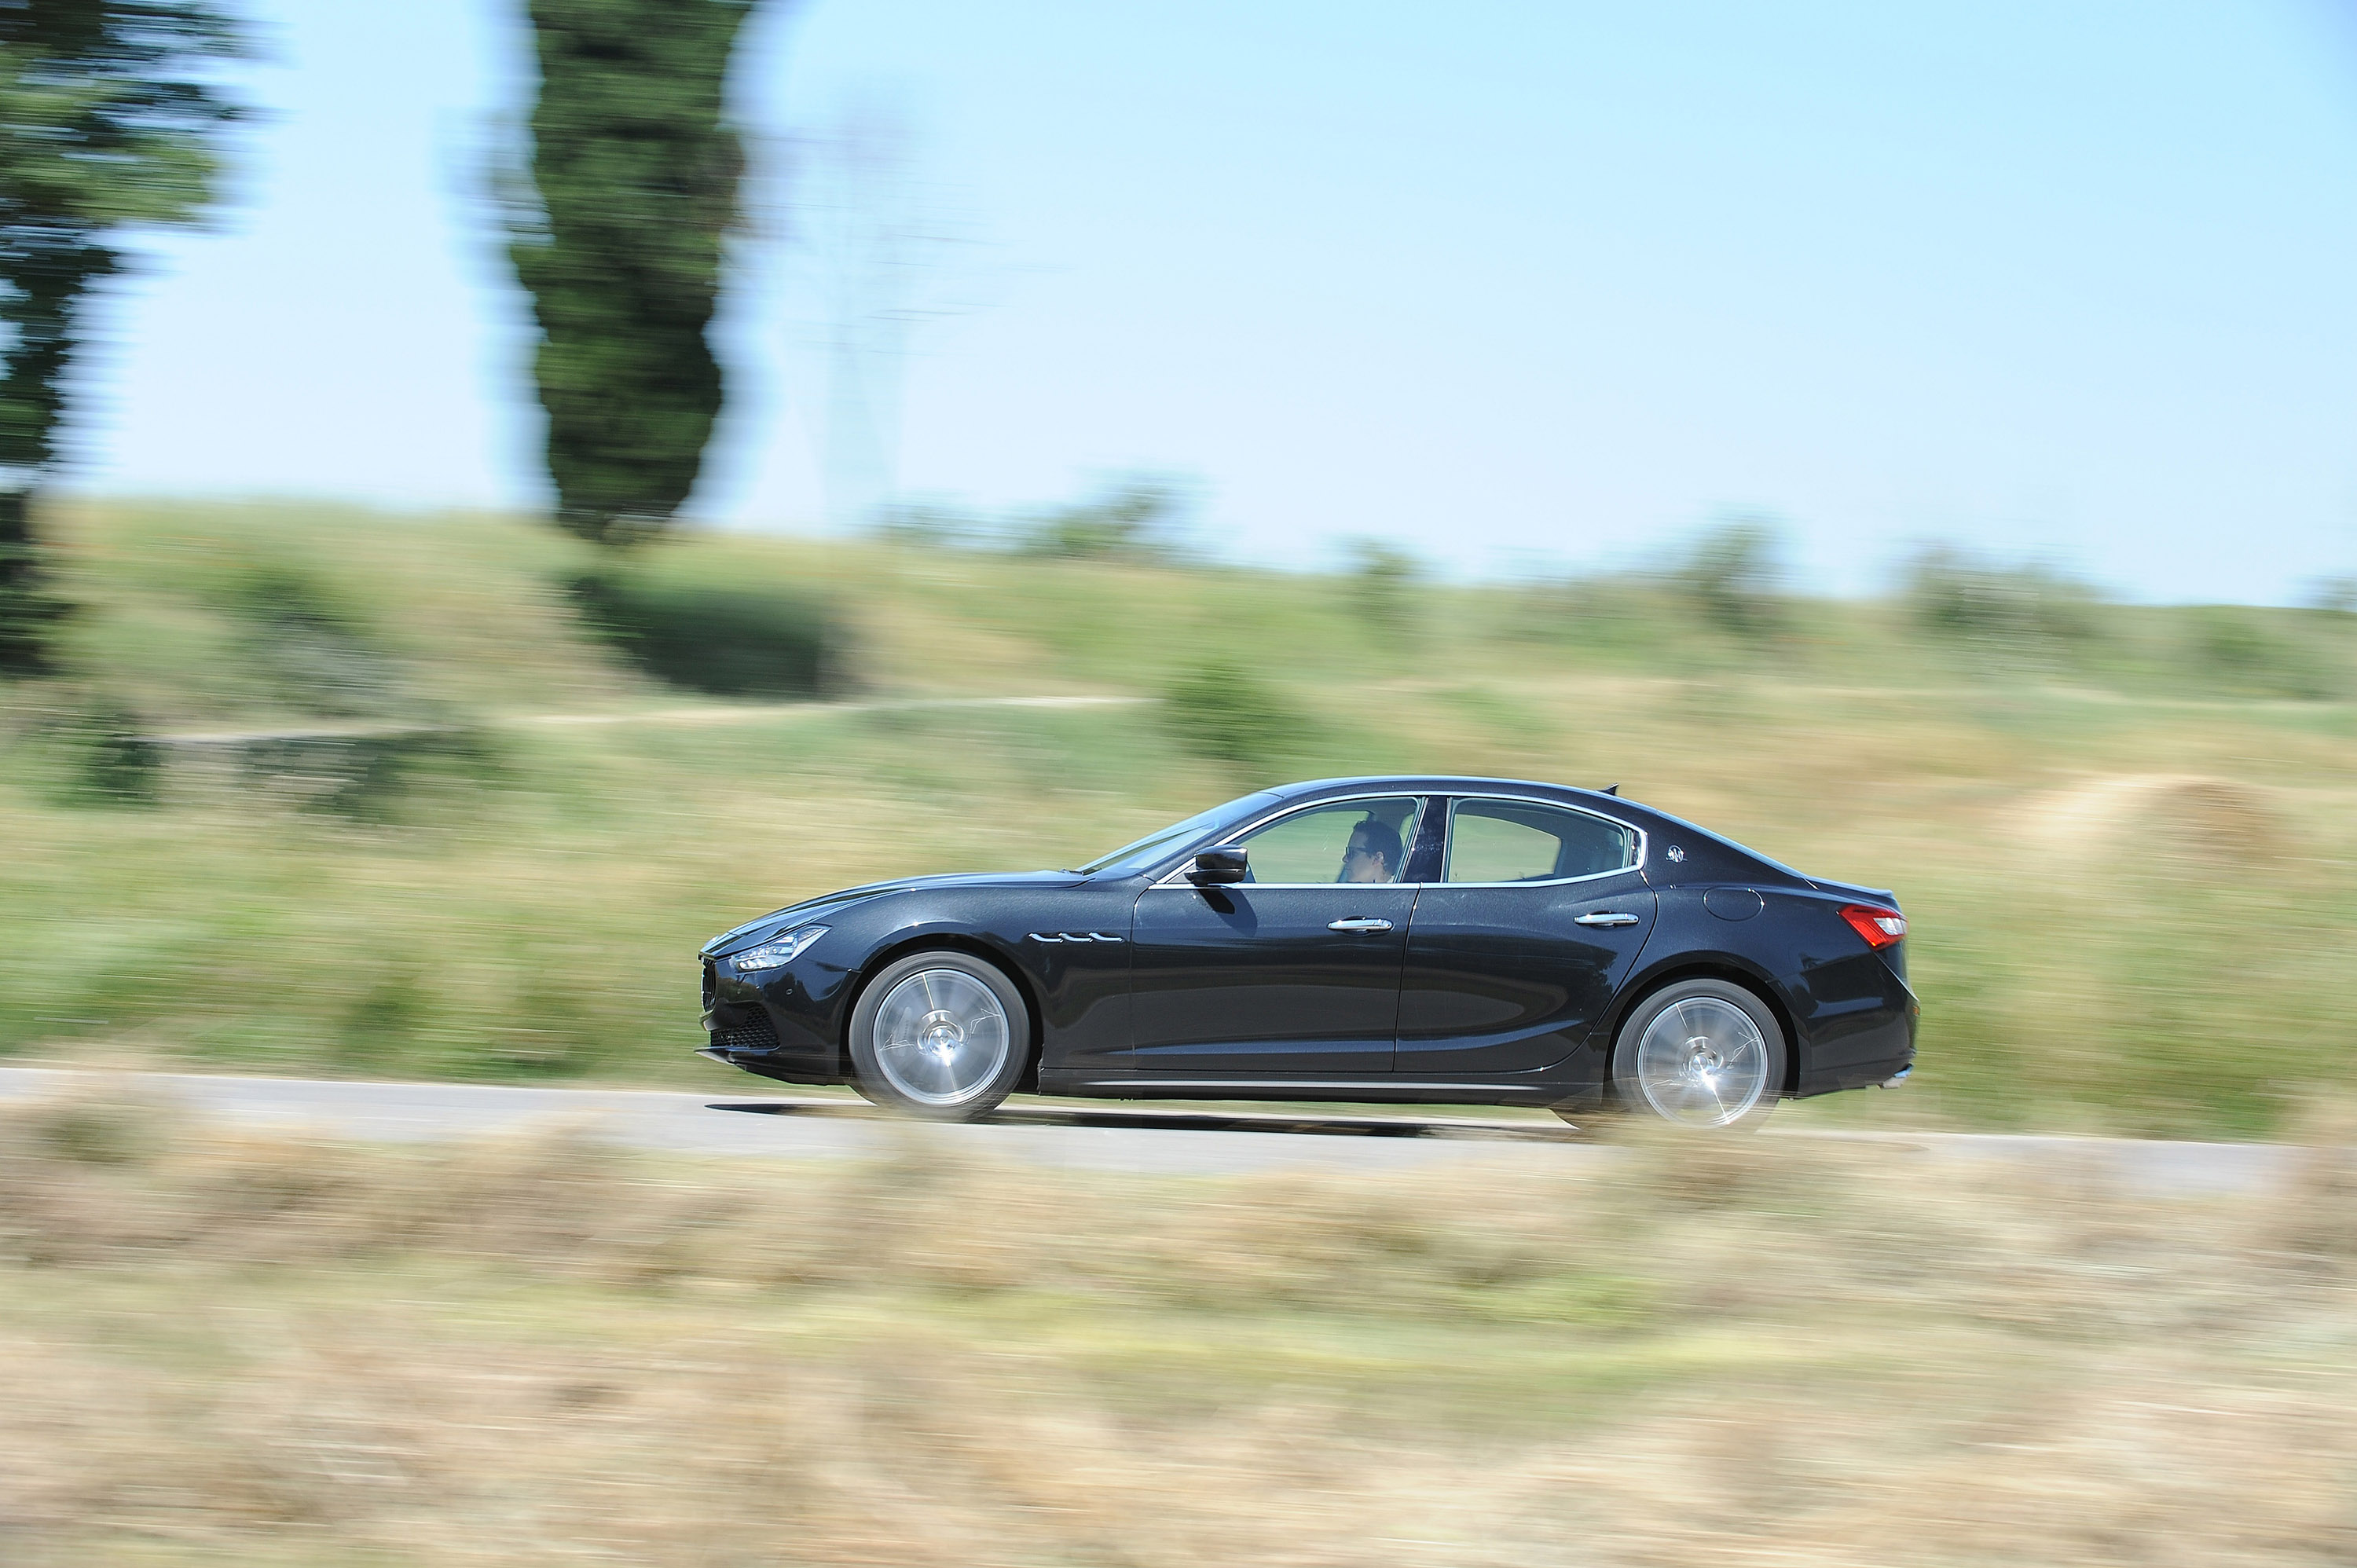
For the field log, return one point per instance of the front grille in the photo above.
(710, 983)
(753, 1033)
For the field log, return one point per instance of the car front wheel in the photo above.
(1704, 1054)
(939, 1034)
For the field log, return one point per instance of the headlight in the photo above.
(780, 953)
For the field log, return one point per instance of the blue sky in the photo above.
(1516, 285)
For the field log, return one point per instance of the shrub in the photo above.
(370, 777)
(94, 751)
(931, 525)
(1220, 711)
(1731, 576)
(2233, 647)
(311, 651)
(2021, 608)
(1586, 612)
(1135, 519)
(730, 641)
(1383, 586)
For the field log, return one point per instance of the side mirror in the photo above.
(1214, 867)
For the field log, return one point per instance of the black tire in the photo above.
(1704, 1055)
(941, 1034)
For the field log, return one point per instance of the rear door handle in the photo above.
(1609, 918)
(1359, 924)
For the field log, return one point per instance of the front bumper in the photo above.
(781, 1023)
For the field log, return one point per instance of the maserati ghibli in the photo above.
(1440, 940)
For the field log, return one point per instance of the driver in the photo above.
(1374, 854)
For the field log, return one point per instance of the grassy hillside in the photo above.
(2125, 834)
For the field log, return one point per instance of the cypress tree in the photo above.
(108, 124)
(634, 166)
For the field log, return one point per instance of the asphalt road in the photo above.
(1092, 1135)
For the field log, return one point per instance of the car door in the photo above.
(1516, 952)
(1295, 970)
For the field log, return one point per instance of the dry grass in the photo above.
(214, 1348)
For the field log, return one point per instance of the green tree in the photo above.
(110, 123)
(634, 174)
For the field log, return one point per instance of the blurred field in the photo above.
(227, 1349)
(2125, 835)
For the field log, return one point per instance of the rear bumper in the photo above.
(1863, 1035)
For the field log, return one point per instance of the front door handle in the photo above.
(1358, 923)
(1609, 918)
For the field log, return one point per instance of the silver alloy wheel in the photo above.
(942, 1037)
(1702, 1063)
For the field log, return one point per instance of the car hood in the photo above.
(813, 911)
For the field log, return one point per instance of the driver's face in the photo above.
(1361, 864)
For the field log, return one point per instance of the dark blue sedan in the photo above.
(1472, 942)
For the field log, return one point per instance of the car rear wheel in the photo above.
(1700, 1054)
(939, 1034)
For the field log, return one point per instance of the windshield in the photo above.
(1154, 846)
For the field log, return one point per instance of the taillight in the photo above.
(1880, 928)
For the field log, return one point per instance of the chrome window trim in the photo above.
(1176, 876)
(1644, 842)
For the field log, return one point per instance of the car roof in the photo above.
(1434, 784)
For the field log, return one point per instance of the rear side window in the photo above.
(1520, 840)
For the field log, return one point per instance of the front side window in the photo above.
(1350, 841)
(1521, 841)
